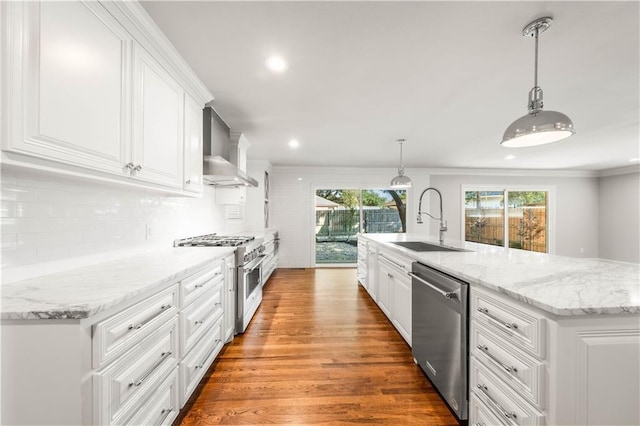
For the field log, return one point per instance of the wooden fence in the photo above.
(527, 228)
(343, 225)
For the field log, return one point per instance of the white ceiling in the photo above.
(447, 76)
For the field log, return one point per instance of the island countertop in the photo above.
(84, 292)
(556, 284)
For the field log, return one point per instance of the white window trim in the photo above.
(550, 189)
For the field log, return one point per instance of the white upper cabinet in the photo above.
(69, 81)
(94, 89)
(192, 145)
(158, 114)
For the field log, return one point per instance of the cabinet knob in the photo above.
(188, 182)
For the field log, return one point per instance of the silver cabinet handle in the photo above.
(509, 369)
(151, 318)
(188, 182)
(165, 413)
(510, 415)
(201, 365)
(448, 295)
(129, 166)
(151, 369)
(398, 265)
(137, 168)
(507, 325)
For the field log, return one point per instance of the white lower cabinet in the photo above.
(197, 361)
(229, 297)
(529, 367)
(393, 294)
(133, 364)
(123, 388)
(162, 407)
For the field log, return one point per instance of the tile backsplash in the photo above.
(52, 222)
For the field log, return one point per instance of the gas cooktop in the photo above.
(213, 240)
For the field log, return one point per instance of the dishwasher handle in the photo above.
(447, 294)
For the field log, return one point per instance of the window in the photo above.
(342, 213)
(515, 218)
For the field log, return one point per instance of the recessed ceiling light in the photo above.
(509, 157)
(633, 160)
(299, 178)
(293, 143)
(276, 64)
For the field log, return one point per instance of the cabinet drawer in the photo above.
(117, 334)
(200, 283)
(162, 408)
(500, 398)
(514, 322)
(135, 375)
(400, 263)
(481, 415)
(522, 372)
(196, 363)
(198, 317)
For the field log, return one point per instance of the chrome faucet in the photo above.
(443, 223)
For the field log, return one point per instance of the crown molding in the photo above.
(620, 171)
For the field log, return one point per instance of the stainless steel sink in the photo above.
(422, 246)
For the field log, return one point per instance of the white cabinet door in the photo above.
(192, 145)
(229, 298)
(385, 286)
(158, 112)
(402, 305)
(69, 81)
(372, 266)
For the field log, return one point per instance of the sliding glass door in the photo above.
(343, 213)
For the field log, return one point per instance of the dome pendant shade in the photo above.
(538, 127)
(401, 181)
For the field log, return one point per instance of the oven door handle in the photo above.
(253, 264)
(447, 294)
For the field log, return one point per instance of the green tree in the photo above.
(372, 198)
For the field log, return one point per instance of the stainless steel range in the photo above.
(249, 257)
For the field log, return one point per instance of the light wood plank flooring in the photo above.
(318, 351)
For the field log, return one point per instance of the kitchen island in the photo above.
(552, 339)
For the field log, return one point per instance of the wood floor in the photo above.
(318, 351)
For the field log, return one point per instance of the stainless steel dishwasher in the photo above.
(439, 333)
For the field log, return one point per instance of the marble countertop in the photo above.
(83, 292)
(557, 284)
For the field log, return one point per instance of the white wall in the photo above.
(575, 210)
(254, 209)
(51, 222)
(619, 221)
(292, 203)
(576, 204)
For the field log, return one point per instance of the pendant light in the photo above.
(400, 181)
(538, 127)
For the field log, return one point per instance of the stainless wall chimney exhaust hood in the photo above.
(223, 163)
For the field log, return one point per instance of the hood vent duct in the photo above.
(224, 158)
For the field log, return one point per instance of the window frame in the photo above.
(551, 209)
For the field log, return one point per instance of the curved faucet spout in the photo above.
(443, 224)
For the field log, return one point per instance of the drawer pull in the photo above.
(151, 318)
(198, 322)
(511, 416)
(165, 413)
(396, 264)
(151, 369)
(209, 354)
(478, 424)
(509, 326)
(509, 369)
